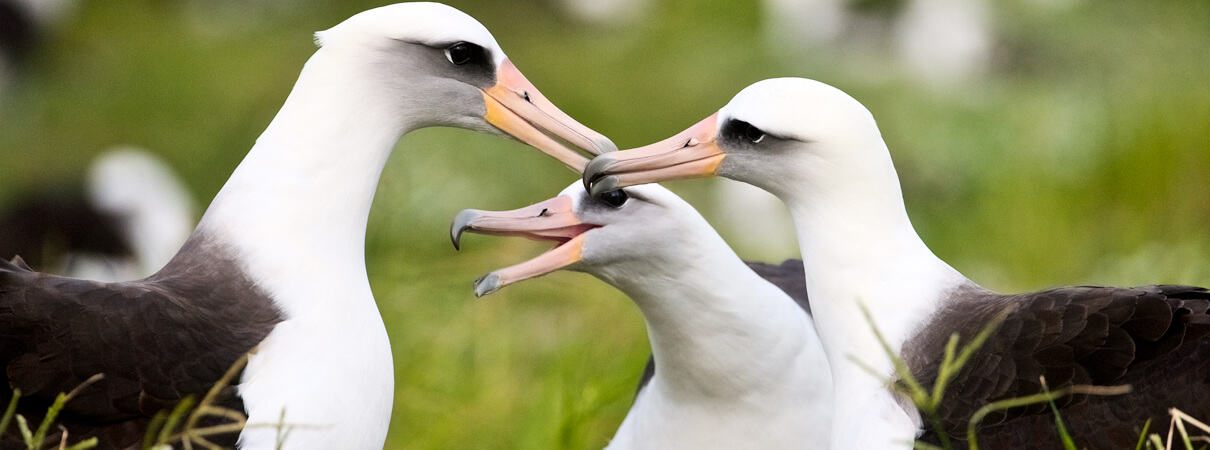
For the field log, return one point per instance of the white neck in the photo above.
(716, 328)
(859, 249)
(296, 208)
(723, 339)
(295, 212)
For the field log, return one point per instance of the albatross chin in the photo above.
(738, 363)
(277, 265)
(820, 151)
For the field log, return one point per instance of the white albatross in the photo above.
(277, 264)
(738, 363)
(820, 151)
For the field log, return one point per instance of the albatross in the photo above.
(737, 362)
(820, 151)
(276, 267)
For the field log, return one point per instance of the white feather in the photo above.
(295, 212)
(738, 363)
(858, 246)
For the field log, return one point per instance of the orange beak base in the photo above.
(516, 107)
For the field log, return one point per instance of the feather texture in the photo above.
(156, 340)
(1153, 338)
(787, 276)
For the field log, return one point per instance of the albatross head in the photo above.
(779, 134)
(641, 230)
(437, 66)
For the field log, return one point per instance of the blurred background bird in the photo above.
(1090, 121)
(124, 221)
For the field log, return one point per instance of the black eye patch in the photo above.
(462, 53)
(743, 131)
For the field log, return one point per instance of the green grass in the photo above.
(43, 437)
(168, 429)
(1082, 158)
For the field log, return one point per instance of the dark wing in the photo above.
(789, 276)
(155, 340)
(1153, 338)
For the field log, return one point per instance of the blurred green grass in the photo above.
(1082, 157)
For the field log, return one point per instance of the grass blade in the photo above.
(27, 435)
(10, 411)
(1068, 443)
(52, 413)
(1143, 435)
(989, 408)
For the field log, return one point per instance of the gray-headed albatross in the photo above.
(820, 151)
(738, 363)
(277, 264)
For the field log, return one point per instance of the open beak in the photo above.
(516, 107)
(551, 220)
(693, 153)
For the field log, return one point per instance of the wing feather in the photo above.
(1153, 338)
(155, 340)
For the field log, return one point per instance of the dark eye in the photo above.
(460, 53)
(615, 199)
(753, 134)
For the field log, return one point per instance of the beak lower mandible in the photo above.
(552, 220)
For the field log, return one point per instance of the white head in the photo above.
(618, 235)
(433, 65)
(778, 134)
(307, 186)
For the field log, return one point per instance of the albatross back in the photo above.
(156, 340)
(1155, 339)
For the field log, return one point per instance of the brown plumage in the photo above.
(156, 340)
(1153, 338)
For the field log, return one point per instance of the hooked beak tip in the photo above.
(603, 184)
(461, 223)
(594, 172)
(487, 284)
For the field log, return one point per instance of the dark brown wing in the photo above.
(1153, 338)
(155, 340)
(788, 276)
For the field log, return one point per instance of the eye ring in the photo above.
(614, 199)
(459, 53)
